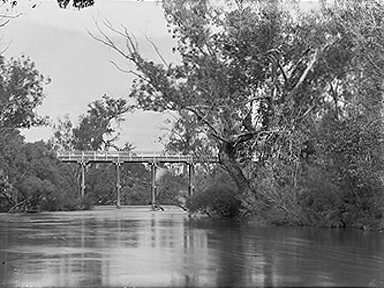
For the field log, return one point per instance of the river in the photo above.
(135, 247)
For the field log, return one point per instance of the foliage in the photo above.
(321, 200)
(21, 91)
(97, 124)
(63, 134)
(5, 189)
(219, 199)
(171, 187)
(42, 178)
(136, 187)
(34, 178)
(97, 129)
(354, 160)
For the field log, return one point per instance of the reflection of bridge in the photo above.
(119, 158)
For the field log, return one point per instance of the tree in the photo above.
(10, 146)
(97, 129)
(186, 137)
(32, 177)
(350, 133)
(63, 134)
(21, 92)
(250, 77)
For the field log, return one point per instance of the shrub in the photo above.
(320, 200)
(217, 199)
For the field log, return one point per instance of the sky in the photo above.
(58, 41)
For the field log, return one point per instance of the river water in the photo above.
(133, 246)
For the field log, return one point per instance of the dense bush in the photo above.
(219, 199)
(320, 199)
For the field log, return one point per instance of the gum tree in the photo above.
(97, 128)
(251, 75)
(21, 92)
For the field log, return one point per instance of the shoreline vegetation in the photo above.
(290, 101)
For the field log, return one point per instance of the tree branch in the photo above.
(305, 73)
(202, 118)
(156, 49)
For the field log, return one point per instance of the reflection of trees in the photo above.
(231, 262)
(95, 241)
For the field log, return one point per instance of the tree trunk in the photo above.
(227, 158)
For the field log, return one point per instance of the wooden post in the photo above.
(191, 179)
(82, 185)
(118, 186)
(153, 184)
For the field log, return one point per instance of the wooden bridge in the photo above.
(119, 158)
(122, 157)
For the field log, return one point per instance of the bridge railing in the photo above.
(120, 156)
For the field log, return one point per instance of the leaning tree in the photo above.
(251, 76)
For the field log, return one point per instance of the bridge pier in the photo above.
(118, 185)
(153, 184)
(82, 184)
(191, 179)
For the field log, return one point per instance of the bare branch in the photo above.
(8, 18)
(5, 23)
(121, 69)
(156, 49)
(106, 40)
(129, 71)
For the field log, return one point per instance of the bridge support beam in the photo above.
(118, 185)
(82, 184)
(191, 179)
(153, 184)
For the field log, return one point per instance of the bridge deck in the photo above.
(120, 157)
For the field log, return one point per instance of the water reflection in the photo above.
(137, 247)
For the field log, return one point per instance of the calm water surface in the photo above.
(134, 246)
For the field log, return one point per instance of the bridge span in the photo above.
(119, 158)
(122, 157)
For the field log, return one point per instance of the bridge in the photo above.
(118, 158)
(121, 157)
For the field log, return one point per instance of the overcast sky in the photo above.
(58, 42)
